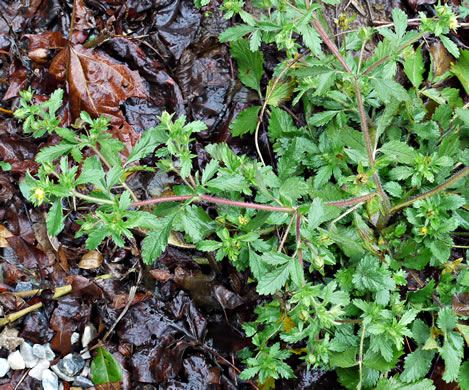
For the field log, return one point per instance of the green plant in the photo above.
(350, 234)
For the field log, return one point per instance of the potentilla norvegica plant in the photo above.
(365, 195)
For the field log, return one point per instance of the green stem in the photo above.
(360, 357)
(363, 119)
(402, 47)
(109, 166)
(436, 190)
(91, 198)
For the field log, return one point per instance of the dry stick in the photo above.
(59, 291)
(298, 240)
(274, 84)
(6, 111)
(437, 189)
(284, 238)
(132, 292)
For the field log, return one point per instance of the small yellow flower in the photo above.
(242, 220)
(423, 230)
(453, 23)
(39, 194)
(362, 178)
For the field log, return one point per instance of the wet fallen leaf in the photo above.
(91, 260)
(461, 304)
(97, 84)
(4, 234)
(106, 370)
(161, 275)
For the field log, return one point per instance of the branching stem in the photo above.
(436, 190)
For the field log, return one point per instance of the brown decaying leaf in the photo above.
(461, 304)
(161, 275)
(98, 85)
(4, 234)
(91, 260)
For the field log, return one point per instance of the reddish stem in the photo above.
(235, 203)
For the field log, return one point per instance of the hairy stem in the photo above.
(363, 119)
(402, 47)
(91, 198)
(448, 183)
(235, 203)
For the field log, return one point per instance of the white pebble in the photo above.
(89, 333)
(28, 356)
(50, 381)
(4, 367)
(37, 371)
(16, 361)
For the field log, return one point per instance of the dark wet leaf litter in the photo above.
(183, 327)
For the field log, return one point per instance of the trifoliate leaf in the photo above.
(250, 64)
(389, 90)
(273, 281)
(293, 188)
(414, 67)
(399, 151)
(55, 219)
(399, 18)
(208, 245)
(235, 33)
(447, 319)
(416, 365)
(245, 122)
(155, 243)
(463, 379)
(452, 353)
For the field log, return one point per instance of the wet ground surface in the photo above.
(183, 327)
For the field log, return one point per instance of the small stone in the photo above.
(62, 375)
(15, 360)
(43, 352)
(23, 286)
(71, 365)
(81, 381)
(85, 354)
(27, 353)
(39, 351)
(37, 371)
(9, 339)
(75, 337)
(50, 381)
(4, 367)
(89, 333)
(50, 355)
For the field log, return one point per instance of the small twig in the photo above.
(59, 291)
(284, 237)
(132, 292)
(9, 112)
(298, 241)
(360, 357)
